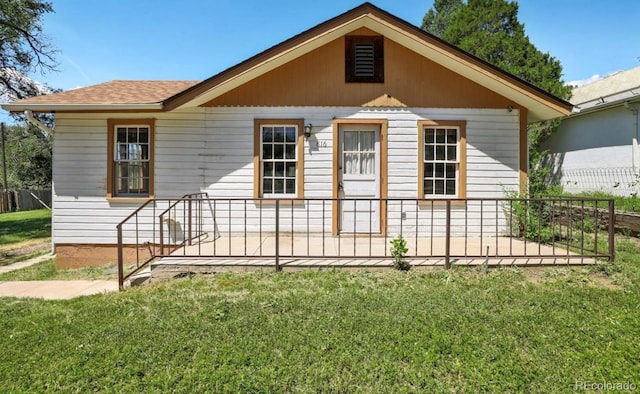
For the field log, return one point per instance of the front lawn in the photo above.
(17, 227)
(335, 331)
(24, 234)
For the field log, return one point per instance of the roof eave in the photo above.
(46, 108)
(604, 106)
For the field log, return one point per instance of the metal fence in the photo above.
(197, 226)
(619, 181)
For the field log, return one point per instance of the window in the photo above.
(442, 160)
(278, 158)
(130, 167)
(364, 59)
(359, 153)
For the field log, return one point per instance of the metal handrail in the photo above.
(121, 276)
(500, 220)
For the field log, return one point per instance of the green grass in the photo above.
(16, 227)
(46, 270)
(334, 331)
(627, 204)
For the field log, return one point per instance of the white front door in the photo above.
(359, 188)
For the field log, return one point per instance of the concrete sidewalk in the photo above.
(51, 289)
(56, 289)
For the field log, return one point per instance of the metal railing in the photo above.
(621, 181)
(144, 228)
(325, 229)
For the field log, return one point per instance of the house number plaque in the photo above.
(318, 144)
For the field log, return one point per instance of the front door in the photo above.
(359, 179)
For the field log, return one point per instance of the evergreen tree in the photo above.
(437, 20)
(490, 30)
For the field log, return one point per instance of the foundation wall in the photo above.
(70, 256)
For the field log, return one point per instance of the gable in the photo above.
(318, 79)
(308, 69)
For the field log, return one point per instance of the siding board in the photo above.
(211, 149)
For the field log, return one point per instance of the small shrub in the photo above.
(398, 252)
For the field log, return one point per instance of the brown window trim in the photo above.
(378, 45)
(111, 127)
(257, 146)
(462, 169)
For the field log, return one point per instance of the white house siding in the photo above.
(594, 152)
(211, 150)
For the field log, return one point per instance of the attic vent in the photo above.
(364, 59)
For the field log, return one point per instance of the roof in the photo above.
(140, 95)
(612, 90)
(113, 93)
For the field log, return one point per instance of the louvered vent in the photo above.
(364, 60)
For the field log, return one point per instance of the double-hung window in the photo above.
(442, 159)
(130, 171)
(278, 158)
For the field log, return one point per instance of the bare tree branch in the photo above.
(23, 47)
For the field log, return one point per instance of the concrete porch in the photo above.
(296, 252)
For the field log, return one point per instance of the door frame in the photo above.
(383, 124)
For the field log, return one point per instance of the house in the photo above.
(596, 147)
(362, 105)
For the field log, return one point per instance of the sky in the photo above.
(103, 40)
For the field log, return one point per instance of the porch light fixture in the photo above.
(307, 130)
(510, 108)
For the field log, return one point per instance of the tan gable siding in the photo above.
(318, 79)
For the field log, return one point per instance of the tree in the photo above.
(25, 50)
(490, 30)
(28, 158)
(23, 47)
(437, 20)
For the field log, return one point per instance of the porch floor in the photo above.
(251, 253)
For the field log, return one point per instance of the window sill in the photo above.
(284, 201)
(441, 202)
(126, 200)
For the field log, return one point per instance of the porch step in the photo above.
(171, 267)
(140, 278)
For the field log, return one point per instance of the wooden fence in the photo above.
(24, 200)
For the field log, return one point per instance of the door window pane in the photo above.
(358, 156)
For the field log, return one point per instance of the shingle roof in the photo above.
(609, 88)
(115, 92)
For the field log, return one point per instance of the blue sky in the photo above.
(102, 40)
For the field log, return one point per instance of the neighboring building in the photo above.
(596, 147)
(390, 111)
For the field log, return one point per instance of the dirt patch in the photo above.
(9, 253)
(583, 275)
(535, 274)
